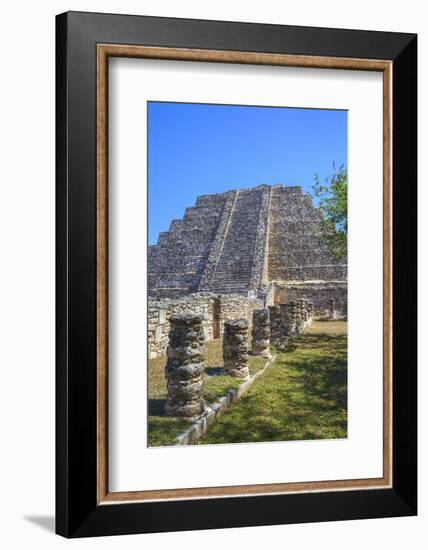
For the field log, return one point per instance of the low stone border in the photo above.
(214, 410)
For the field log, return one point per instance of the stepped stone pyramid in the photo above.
(239, 241)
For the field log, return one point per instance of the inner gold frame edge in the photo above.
(104, 51)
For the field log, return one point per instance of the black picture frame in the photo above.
(77, 511)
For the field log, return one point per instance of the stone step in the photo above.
(233, 271)
(309, 273)
(231, 282)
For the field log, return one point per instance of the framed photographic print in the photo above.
(236, 274)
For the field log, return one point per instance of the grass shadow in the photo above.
(157, 407)
(213, 371)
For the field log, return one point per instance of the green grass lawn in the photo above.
(162, 430)
(303, 395)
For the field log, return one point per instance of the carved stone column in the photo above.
(290, 315)
(311, 310)
(332, 309)
(305, 311)
(185, 366)
(235, 348)
(299, 316)
(307, 308)
(261, 333)
(288, 327)
(275, 325)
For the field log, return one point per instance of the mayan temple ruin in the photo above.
(235, 251)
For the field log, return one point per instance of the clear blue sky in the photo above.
(198, 149)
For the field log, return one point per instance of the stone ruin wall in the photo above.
(159, 312)
(234, 306)
(319, 293)
(214, 309)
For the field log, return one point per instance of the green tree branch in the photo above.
(332, 199)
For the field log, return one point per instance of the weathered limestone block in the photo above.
(309, 311)
(305, 310)
(235, 348)
(185, 366)
(290, 318)
(299, 316)
(275, 325)
(332, 314)
(261, 333)
(288, 329)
